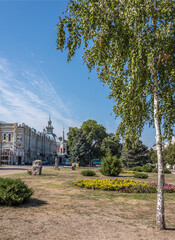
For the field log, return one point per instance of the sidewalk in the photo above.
(12, 169)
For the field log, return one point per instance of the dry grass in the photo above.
(59, 210)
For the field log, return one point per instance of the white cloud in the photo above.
(28, 97)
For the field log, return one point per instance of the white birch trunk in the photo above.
(160, 191)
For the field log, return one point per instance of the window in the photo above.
(4, 136)
(9, 137)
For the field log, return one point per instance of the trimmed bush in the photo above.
(140, 175)
(88, 173)
(111, 166)
(146, 168)
(137, 168)
(166, 170)
(13, 191)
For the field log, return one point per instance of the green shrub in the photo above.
(88, 173)
(140, 175)
(13, 191)
(137, 168)
(29, 172)
(166, 170)
(155, 170)
(146, 168)
(111, 166)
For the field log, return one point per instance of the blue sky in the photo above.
(36, 80)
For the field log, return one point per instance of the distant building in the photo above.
(20, 144)
(62, 151)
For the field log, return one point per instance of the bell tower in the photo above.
(50, 127)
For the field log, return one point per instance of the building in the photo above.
(62, 151)
(20, 144)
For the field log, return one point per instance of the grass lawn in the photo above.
(59, 210)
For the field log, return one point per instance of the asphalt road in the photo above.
(12, 169)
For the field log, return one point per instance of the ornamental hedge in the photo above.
(111, 166)
(166, 170)
(13, 191)
(140, 175)
(88, 173)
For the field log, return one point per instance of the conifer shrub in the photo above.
(111, 166)
(140, 175)
(88, 173)
(13, 191)
(137, 168)
(146, 168)
(166, 170)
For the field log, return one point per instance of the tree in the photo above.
(95, 133)
(152, 156)
(80, 150)
(135, 155)
(71, 136)
(130, 43)
(169, 154)
(110, 144)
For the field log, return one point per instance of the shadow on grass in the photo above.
(124, 176)
(33, 202)
(48, 174)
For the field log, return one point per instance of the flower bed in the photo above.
(128, 171)
(125, 186)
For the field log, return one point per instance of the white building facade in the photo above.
(20, 144)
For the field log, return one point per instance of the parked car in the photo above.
(96, 162)
(45, 162)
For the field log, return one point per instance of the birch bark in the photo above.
(160, 191)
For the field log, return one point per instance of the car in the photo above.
(96, 162)
(45, 162)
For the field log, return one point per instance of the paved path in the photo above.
(12, 169)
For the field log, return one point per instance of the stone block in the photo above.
(37, 167)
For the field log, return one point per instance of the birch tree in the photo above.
(131, 44)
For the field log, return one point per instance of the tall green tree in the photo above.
(152, 156)
(169, 154)
(80, 150)
(135, 155)
(73, 131)
(111, 145)
(95, 133)
(131, 45)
